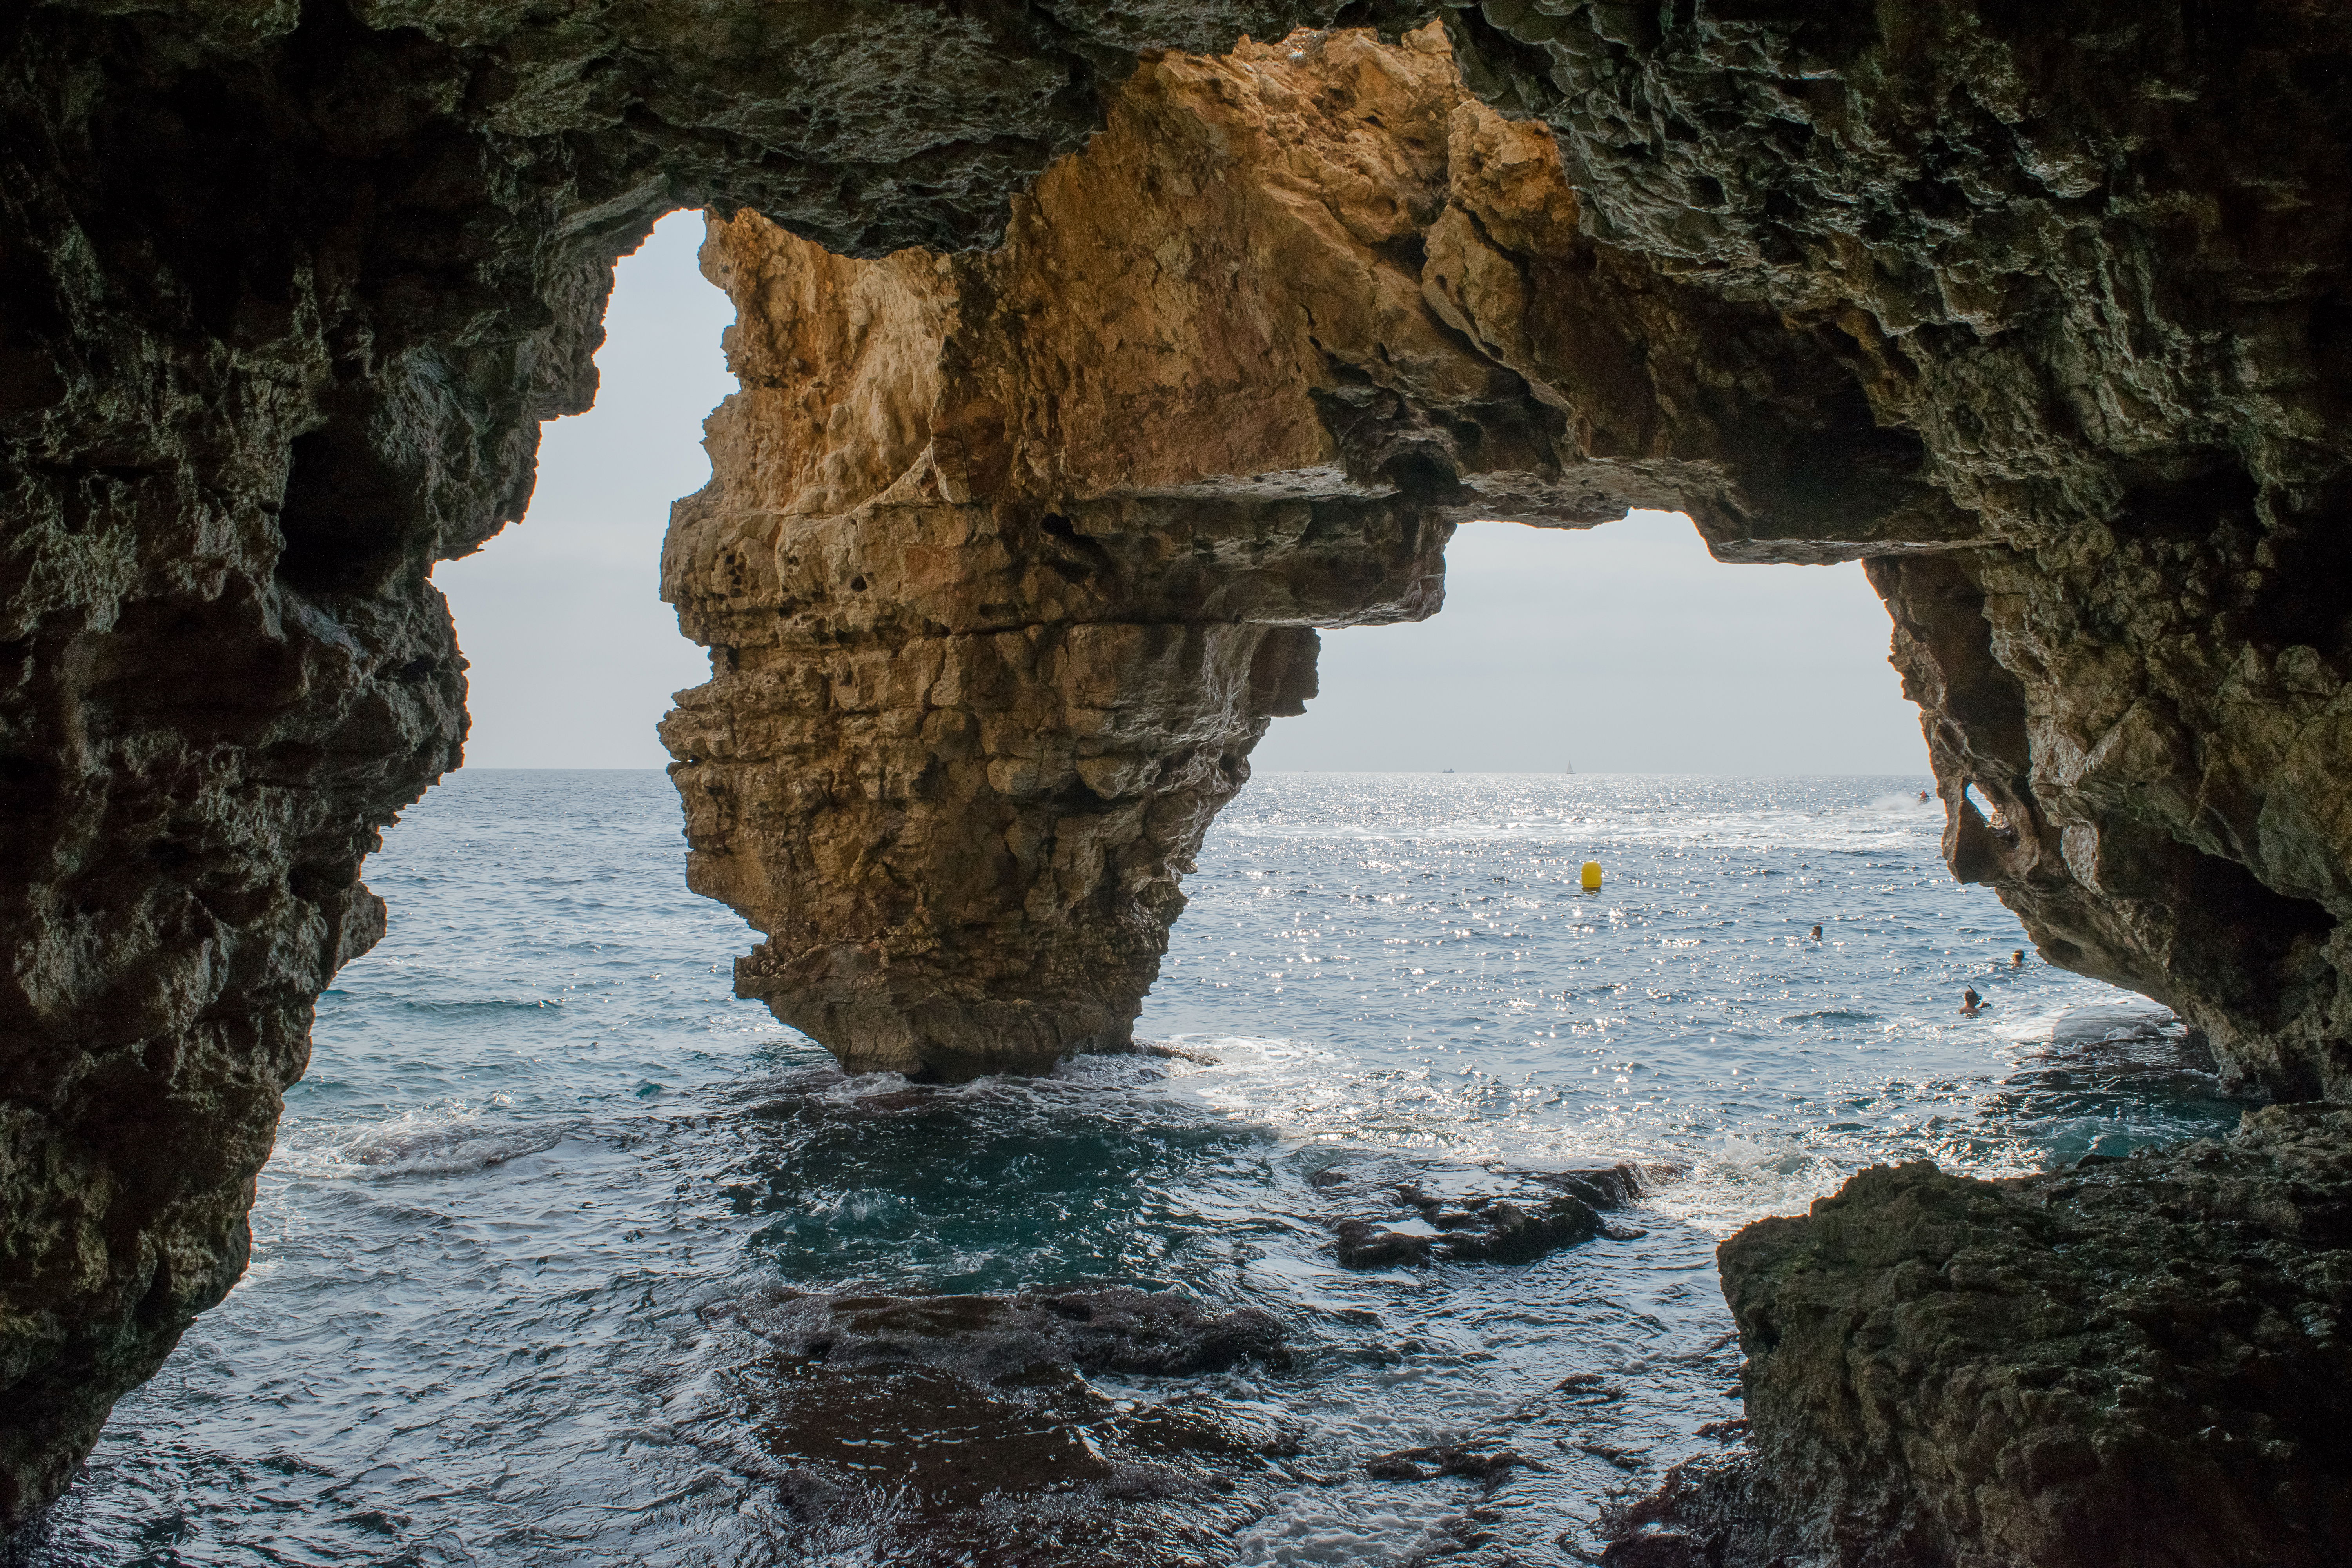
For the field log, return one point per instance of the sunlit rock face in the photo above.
(285, 291)
(1008, 559)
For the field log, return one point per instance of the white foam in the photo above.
(444, 1141)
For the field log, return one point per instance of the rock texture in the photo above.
(2093, 256)
(956, 1429)
(2009, 317)
(1008, 559)
(285, 290)
(2144, 1362)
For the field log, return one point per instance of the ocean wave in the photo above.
(445, 1142)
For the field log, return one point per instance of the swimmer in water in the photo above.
(1817, 934)
(1971, 1003)
(2016, 959)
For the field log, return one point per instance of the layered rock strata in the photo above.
(285, 291)
(1007, 559)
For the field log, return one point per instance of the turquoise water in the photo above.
(536, 1164)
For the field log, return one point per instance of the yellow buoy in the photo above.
(1592, 876)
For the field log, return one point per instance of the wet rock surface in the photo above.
(1484, 1463)
(1093, 1328)
(1549, 1210)
(935, 1427)
(2141, 1361)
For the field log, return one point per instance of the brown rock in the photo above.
(1007, 560)
(2043, 309)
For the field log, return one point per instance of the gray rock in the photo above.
(2144, 1362)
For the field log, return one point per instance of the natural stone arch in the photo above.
(288, 287)
(1008, 559)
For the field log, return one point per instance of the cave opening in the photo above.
(1620, 648)
(573, 654)
(1623, 648)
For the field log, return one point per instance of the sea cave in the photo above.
(1090, 359)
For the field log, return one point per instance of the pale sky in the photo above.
(1624, 648)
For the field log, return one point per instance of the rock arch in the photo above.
(2019, 305)
(1009, 558)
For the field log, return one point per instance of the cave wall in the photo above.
(285, 291)
(2095, 257)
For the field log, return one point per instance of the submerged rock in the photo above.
(1092, 1328)
(944, 1427)
(2137, 1362)
(1482, 1227)
(1486, 1463)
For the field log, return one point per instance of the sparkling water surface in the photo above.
(487, 1319)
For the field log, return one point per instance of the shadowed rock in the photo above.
(939, 1427)
(1093, 1328)
(2138, 1362)
(1482, 1227)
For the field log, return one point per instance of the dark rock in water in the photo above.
(1659, 1549)
(947, 1440)
(1485, 1228)
(1092, 1328)
(2145, 1362)
(952, 1428)
(1482, 1462)
(1509, 1234)
(1715, 1512)
(1367, 1244)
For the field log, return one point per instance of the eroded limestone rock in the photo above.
(2072, 410)
(2131, 1362)
(285, 291)
(1006, 558)
(2045, 309)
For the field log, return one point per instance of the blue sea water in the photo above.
(487, 1316)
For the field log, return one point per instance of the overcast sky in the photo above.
(1622, 648)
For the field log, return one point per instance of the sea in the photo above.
(496, 1310)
